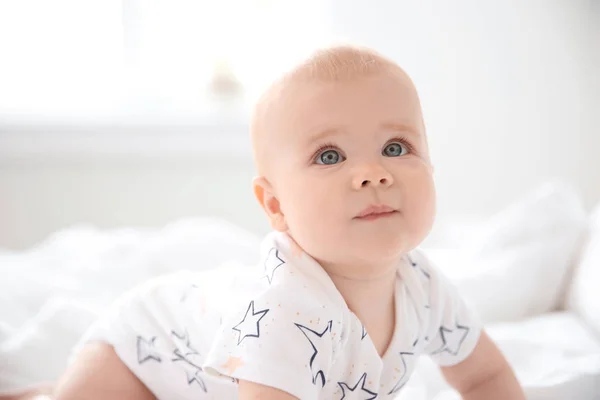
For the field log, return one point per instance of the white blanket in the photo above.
(50, 294)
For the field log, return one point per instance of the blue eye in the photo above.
(394, 149)
(329, 157)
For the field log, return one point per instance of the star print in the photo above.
(272, 262)
(364, 333)
(146, 350)
(250, 325)
(232, 364)
(400, 383)
(182, 354)
(186, 361)
(423, 272)
(182, 342)
(194, 376)
(415, 265)
(356, 394)
(410, 260)
(318, 358)
(452, 339)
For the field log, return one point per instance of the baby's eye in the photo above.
(329, 157)
(394, 149)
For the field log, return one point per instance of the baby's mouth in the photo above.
(376, 211)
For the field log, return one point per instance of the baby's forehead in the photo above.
(339, 66)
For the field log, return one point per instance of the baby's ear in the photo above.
(267, 200)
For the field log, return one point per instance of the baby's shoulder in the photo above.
(292, 300)
(420, 265)
(283, 330)
(288, 281)
(420, 278)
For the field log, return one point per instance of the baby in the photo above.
(343, 302)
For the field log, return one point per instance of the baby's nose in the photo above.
(373, 175)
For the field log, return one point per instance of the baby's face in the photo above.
(344, 149)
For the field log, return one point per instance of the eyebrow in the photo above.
(390, 126)
(401, 128)
(325, 134)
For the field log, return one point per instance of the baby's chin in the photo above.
(355, 244)
(384, 247)
(373, 249)
(393, 234)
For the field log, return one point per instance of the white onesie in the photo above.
(283, 324)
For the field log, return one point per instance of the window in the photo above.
(137, 60)
(59, 57)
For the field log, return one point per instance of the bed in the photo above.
(532, 272)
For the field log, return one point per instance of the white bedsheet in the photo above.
(554, 357)
(50, 294)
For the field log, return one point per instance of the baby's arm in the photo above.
(253, 391)
(98, 373)
(484, 374)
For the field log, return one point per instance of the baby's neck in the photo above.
(372, 301)
(369, 295)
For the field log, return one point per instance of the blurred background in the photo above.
(135, 113)
(124, 122)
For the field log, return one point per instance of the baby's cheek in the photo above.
(311, 214)
(421, 204)
(299, 212)
(313, 225)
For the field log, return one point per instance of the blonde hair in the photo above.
(340, 63)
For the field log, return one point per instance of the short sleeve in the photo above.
(275, 340)
(453, 328)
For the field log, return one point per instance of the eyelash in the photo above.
(322, 148)
(402, 141)
(332, 146)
